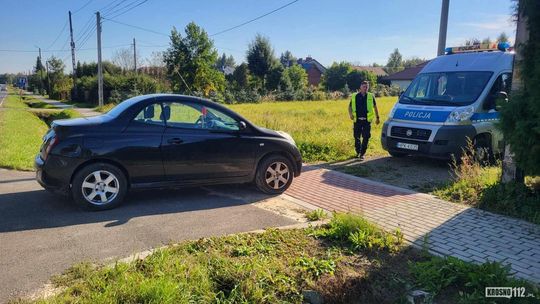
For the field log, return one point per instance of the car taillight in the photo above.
(52, 142)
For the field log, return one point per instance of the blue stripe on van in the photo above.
(421, 115)
(485, 116)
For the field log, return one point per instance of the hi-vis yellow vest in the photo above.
(370, 113)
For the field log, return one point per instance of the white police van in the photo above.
(454, 97)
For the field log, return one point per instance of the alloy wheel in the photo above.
(277, 175)
(100, 187)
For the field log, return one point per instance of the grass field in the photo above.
(21, 131)
(322, 129)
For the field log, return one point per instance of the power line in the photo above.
(254, 19)
(137, 27)
(82, 7)
(129, 9)
(59, 34)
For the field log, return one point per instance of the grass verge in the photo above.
(22, 131)
(281, 266)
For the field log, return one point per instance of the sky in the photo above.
(358, 31)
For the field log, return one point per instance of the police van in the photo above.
(454, 97)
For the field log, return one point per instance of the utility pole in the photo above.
(443, 27)
(510, 172)
(100, 68)
(134, 56)
(74, 92)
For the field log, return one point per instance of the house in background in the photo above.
(402, 79)
(378, 71)
(314, 70)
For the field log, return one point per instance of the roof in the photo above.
(309, 62)
(480, 61)
(379, 71)
(408, 73)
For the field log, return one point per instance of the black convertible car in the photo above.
(162, 140)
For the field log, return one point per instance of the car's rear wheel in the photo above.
(99, 186)
(274, 174)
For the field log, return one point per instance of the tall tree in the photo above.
(124, 59)
(287, 59)
(502, 37)
(241, 75)
(297, 76)
(260, 57)
(225, 62)
(190, 62)
(335, 77)
(395, 62)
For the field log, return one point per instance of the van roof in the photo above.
(481, 61)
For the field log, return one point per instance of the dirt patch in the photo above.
(415, 173)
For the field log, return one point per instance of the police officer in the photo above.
(362, 110)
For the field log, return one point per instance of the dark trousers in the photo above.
(362, 133)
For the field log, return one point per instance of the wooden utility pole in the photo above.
(510, 172)
(74, 68)
(100, 67)
(134, 56)
(443, 27)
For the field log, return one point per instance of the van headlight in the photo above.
(460, 114)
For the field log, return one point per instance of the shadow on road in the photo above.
(39, 209)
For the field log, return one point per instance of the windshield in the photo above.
(446, 89)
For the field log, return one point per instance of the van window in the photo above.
(502, 84)
(452, 88)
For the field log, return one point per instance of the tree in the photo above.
(156, 60)
(472, 41)
(297, 76)
(287, 59)
(275, 77)
(502, 37)
(124, 59)
(224, 62)
(241, 75)
(190, 62)
(520, 117)
(355, 78)
(486, 40)
(395, 62)
(414, 61)
(40, 74)
(260, 57)
(335, 76)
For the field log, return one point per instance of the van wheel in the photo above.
(397, 154)
(483, 153)
(274, 174)
(99, 186)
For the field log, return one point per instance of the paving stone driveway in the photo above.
(451, 229)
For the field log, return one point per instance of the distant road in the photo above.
(3, 94)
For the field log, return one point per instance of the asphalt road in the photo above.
(42, 234)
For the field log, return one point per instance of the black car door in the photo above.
(201, 143)
(141, 145)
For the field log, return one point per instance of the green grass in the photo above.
(276, 266)
(316, 215)
(22, 134)
(22, 131)
(321, 129)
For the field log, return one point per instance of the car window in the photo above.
(196, 116)
(151, 114)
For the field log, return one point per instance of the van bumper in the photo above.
(448, 141)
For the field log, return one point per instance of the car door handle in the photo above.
(175, 141)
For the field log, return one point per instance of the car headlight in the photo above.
(287, 136)
(460, 114)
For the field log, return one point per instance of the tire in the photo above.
(483, 153)
(397, 154)
(99, 186)
(274, 174)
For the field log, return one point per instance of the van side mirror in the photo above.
(502, 98)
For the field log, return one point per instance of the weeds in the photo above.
(316, 215)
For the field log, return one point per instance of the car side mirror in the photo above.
(242, 126)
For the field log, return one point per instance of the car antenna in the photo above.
(185, 83)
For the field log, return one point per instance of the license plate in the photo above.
(407, 146)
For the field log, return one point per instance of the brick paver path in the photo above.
(452, 229)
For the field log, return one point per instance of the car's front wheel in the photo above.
(99, 186)
(274, 174)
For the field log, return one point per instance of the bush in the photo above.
(316, 215)
(439, 274)
(513, 199)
